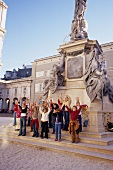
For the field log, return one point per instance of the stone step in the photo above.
(67, 143)
(66, 136)
(97, 135)
(82, 134)
(48, 144)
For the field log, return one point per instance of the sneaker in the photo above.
(56, 139)
(59, 140)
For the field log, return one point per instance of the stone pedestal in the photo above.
(95, 122)
(77, 57)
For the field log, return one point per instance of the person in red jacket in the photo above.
(15, 111)
(18, 114)
(74, 123)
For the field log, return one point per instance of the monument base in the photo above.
(95, 121)
(77, 58)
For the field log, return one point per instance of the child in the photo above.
(58, 122)
(18, 114)
(34, 122)
(74, 123)
(44, 121)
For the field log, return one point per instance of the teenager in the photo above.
(74, 123)
(66, 101)
(18, 115)
(23, 119)
(58, 122)
(44, 121)
(34, 122)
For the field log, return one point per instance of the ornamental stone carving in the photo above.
(75, 68)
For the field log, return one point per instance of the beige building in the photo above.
(108, 54)
(41, 69)
(14, 89)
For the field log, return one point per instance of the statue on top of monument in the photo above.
(56, 78)
(79, 24)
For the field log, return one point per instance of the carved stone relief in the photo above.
(75, 68)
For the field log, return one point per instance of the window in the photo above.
(38, 87)
(40, 74)
(15, 91)
(0, 92)
(24, 91)
(47, 73)
(7, 92)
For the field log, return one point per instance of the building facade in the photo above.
(3, 12)
(14, 90)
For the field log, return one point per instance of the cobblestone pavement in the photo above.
(18, 157)
(21, 157)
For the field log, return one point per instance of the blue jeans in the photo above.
(58, 130)
(14, 115)
(66, 120)
(80, 122)
(35, 130)
(22, 126)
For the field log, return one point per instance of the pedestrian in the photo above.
(35, 123)
(58, 122)
(44, 121)
(23, 119)
(74, 123)
(51, 113)
(66, 118)
(15, 110)
(55, 107)
(79, 116)
(18, 115)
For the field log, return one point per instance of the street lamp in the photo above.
(3, 12)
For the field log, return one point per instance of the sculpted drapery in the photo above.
(93, 77)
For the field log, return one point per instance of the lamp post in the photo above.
(3, 12)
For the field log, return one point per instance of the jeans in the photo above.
(35, 130)
(53, 122)
(58, 130)
(14, 115)
(22, 126)
(66, 120)
(80, 122)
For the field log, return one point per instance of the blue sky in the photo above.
(36, 28)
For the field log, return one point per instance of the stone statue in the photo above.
(95, 78)
(79, 24)
(80, 7)
(107, 88)
(56, 78)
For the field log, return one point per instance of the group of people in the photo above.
(48, 114)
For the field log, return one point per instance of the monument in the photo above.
(3, 12)
(83, 72)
